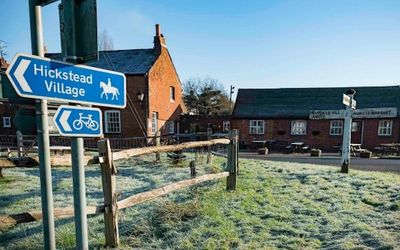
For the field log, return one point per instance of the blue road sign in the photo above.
(43, 78)
(78, 121)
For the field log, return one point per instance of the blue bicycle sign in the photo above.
(87, 121)
(78, 121)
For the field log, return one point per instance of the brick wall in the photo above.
(162, 76)
(371, 138)
(317, 134)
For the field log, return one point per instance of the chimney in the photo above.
(157, 29)
(159, 41)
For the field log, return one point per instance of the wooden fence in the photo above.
(25, 144)
(108, 171)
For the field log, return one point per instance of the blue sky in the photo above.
(247, 43)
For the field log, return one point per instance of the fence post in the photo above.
(209, 155)
(232, 160)
(192, 166)
(108, 172)
(158, 143)
(196, 155)
(20, 143)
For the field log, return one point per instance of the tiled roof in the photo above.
(131, 61)
(297, 102)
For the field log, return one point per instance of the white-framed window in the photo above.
(112, 120)
(6, 122)
(172, 94)
(171, 127)
(154, 122)
(336, 127)
(385, 127)
(226, 125)
(256, 127)
(299, 127)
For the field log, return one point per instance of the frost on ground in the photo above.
(276, 205)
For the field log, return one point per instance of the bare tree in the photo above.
(105, 41)
(205, 96)
(3, 47)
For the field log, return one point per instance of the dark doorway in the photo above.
(356, 131)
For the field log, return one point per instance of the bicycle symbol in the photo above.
(87, 121)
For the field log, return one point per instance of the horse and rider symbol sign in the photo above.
(109, 89)
(43, 78)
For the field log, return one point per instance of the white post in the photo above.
(347, 137)
(20, 143)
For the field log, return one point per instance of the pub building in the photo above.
(315, 116)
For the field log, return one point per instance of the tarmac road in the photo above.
(374, 164)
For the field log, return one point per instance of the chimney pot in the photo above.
(157, 30)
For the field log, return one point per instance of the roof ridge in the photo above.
(127, 61)
(119, 50)
(114, 50)
(340, 87)
(297, 102)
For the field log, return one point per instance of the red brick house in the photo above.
(313, 116)
(154, 93)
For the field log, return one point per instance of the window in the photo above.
(154, 122)
(172, 93)
(6, 122)
(171, 127)
(226, 125)
(299, 127)
(385, 127)
(113, 121)
(257, 127)
(336, 127)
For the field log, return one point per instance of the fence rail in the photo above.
(111, 205)
(167, 148)
(65, 160)
(12, 220)
(12, 142)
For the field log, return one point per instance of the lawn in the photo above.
(276, 205)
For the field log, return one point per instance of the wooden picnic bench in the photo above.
(355, 149)
(297, 147)
(389, 149)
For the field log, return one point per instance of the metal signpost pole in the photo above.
(78, 178)
(78, 167)
(26, 74)
(43, 134)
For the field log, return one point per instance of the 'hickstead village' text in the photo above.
(59, 87)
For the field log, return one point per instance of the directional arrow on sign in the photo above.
(43, 78)
(78, 121)
(64, 121)
(19, 75)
